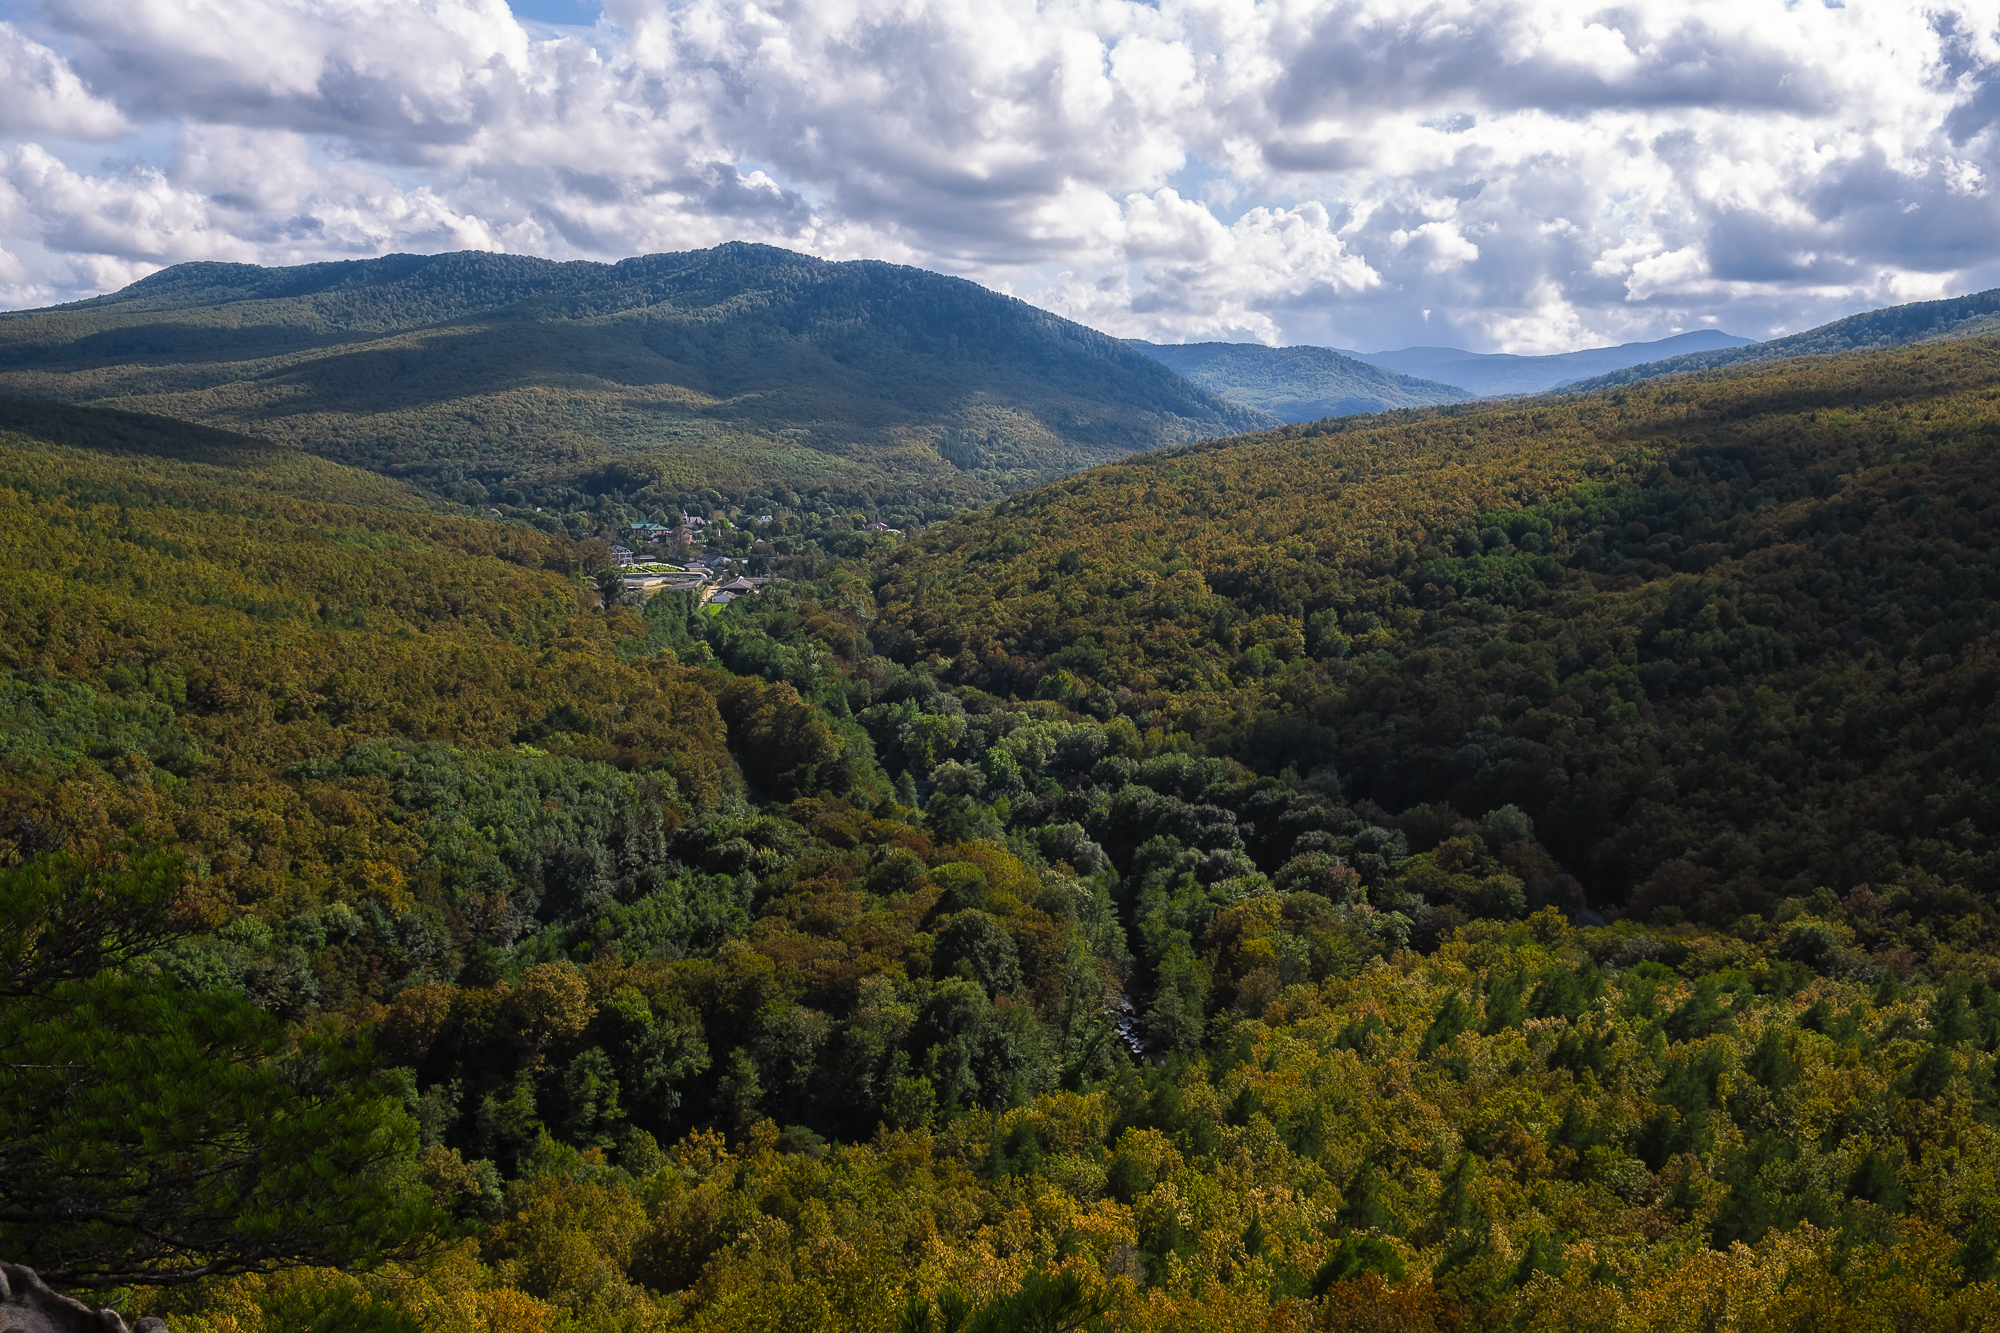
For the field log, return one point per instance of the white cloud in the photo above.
(1441, 243)
(44, 95)
(1677, 271)
(1203, 279)
(138, 215)
(1536, 173)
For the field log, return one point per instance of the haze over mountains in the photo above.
(1310, 383)
(1298, 383)
(743, 369)
(1499, 375)
(1970, 316)
(1307, 383)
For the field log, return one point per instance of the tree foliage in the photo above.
(1724, 641)
(155, 1135)
(1520, 869)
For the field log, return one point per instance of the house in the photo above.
(648, 531)
(879, 526)
(650, 585)
(722, 599)
(622, 556)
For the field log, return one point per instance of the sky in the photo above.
(1509, 175)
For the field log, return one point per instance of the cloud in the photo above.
(1534, 173)
(1202, 279)
(44, 95)
(378, 70)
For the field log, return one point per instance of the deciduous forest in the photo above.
(1463, 868)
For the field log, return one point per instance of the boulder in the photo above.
(29, 1305)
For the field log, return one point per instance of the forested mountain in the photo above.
(1301, 384)
(1297, 383)
(1463, 868)
(1499, 375)
(1721, 640)
(1974, 316)
(744, 370)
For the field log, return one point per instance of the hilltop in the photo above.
(744, 371)
(1298, 383)
(239, 462)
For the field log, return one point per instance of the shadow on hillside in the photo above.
(109, 431)
(411, 372)
(167, 343)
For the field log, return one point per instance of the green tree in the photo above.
(151, 1135)
(68, 916)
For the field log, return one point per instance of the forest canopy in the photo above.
(1456, 869)
(1725, 640)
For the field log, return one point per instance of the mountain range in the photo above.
(1969, 316)
(1299, 383)
(1521, 865)
(744, 370)
(746, 374)
(1502, 375)
(1306, 383)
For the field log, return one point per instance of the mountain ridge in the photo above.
(1307, 383)
(1972, 315)
(1298, 384)
(1502, 374)
(743, 369)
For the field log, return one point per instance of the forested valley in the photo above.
(1455, 869)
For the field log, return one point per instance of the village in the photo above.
(707, 577)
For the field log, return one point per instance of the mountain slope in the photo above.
(745, 369)
(1897, 326)
(223, 457)
(1298, 383)
(1492, 375)
(493, 867)
(1724, 641)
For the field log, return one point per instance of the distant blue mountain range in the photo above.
(1306, 383)
(1975, 315)
(1311, 383)
(1495, 375)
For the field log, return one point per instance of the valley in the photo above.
(1136, 863)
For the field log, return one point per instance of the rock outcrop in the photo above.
(28, 1305)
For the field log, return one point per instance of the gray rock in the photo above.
(28, 1305)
